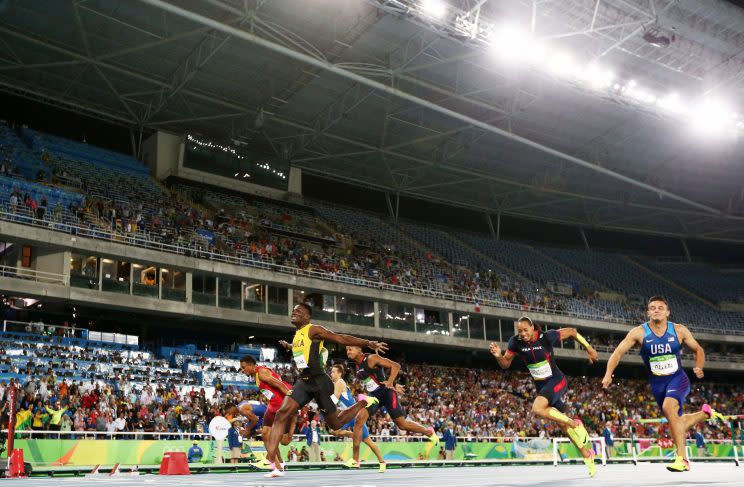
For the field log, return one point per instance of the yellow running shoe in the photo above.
(371, 401)
(433, 437)
(351, 463)
(263, 464)
(713, 414)
(679, 465)
(579, 435)
(589, 462)
(383, 467)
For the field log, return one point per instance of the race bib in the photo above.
(299, 359)
(663, 364)
(540, 370)
(370, 384)
(267, 394)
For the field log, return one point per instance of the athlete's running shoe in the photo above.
(679, 465)
(383, 467)
(589, 461)
(579, 435)
(433, 437)
(263, 464)
(712, 413)
(351, 463)
(274, 474)
(371, 401)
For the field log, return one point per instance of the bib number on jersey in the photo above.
(540, 370)
(267, 394)
(299, 359)
(370, 384)
(663, 364)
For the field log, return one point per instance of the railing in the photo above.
(138, 240)
(34, 275)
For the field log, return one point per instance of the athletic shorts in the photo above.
(389, 400)
(268, 419)
(318, 387)
(235, 452)
(350, 426)
(553, 390)
(676, 386)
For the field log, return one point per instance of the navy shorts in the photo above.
(389, 400)
(676, 386)
(553, 390)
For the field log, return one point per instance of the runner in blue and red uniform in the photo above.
(370, 372)
(536, 350)
(661, 343)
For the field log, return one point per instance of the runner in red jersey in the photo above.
(273, 389)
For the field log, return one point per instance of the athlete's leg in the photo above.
(542, 408)
(337, 419)
(276, 455)
(402, 423)
(373, 446)
(585, 451)
(670, 408)
(691, 419)
(282, 419)
(287, 436)
(359, 421)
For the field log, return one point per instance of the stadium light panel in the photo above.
(511, 42)
(710, 116)
(561, 64)
(434, 8)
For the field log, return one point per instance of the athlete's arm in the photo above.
(318, 332)
(339, 388)
(566, 333)
(377, 361)
(503, 360)
(265, 376)
(634, 337)
(686, 337)
(252, 421)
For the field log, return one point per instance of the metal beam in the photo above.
(38, 96)
(185, 71)
(247, 36)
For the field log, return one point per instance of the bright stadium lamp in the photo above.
(510, 41)
(434, 8)
(561, 64)
(672, 103)
(710, 116)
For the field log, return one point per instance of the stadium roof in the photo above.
(385, 94)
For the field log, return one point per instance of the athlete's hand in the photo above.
(698, 372)
(495, 349)
(593, 355)
(400, 389)
(389, 384)
(379, 347)
(285, 344)
(606, 381)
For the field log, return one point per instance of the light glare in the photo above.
(434, 8)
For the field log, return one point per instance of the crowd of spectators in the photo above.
(479, 403)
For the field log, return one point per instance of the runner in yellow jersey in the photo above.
(309, 355)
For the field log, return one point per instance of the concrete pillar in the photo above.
(217, 292)
(376, 308)
(295, 180)
(189, 287)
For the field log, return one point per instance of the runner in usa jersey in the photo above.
(274, 390)
(661, 342)
(535, 348)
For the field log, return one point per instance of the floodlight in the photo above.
(434, 8)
